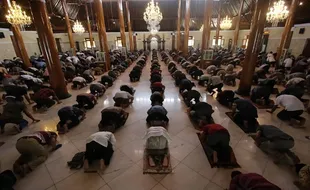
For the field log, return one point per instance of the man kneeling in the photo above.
(100, 146)
(275, 142)
(112, 118)
(157, 98)
(128, 89)
(44, 98)
(78, 82)
(70, 117)
(201, 111)
(85, 100)
(245, 113)
(123, 99)
(157, 114)
(217, 138)
(226, 98)
(34, 150)
(97, 89)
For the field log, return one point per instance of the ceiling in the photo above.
(76, 10)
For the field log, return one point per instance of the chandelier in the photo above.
(152, 14)
(226, 23)
(16, 16)
(78, 27)
(277, 13)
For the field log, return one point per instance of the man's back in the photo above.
(251, 181)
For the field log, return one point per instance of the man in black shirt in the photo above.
(245, 113)
(201, 111)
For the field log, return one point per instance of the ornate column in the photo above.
(69, 29)
(173, 41)
(238, 19)
(179, 48)
(48, 45)
(131, 41)
(218, 28)
(103, 40)
(121, 21)
(15, 46)
(206, 27)
(186, 28)
(254, 46)
(91, 39)
(285, 40)
(163, 42)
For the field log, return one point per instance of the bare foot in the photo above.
(151, 162)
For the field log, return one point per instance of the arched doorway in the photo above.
(154, 43)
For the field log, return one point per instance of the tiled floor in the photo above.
(191, 169)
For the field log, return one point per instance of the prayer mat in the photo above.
(230, 115)
(2, 143)
(220, 164)
(258, 106)
(158, 168)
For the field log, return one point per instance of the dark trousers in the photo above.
(84, 102)
(44, 102)
(88, 78)
(95, 151)
(21, 122)
(255, 97)
(240, 118)
(288, 115)
(218, 86)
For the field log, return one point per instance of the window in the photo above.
(220, 41)
(87, 43)
(191, 41)
(118, 43)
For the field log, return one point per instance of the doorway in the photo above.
(306, 51)
(154, 43)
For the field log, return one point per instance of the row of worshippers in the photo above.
(157, 136)
(269, 138)
(34, 148)
(136, 71)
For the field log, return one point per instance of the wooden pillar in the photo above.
(121, 21)
(254, 46)
(16, 48)
(131, 43)
(49, 50)
(186, 28)
(206, 27)
(21, 45)
(173, 42)
(285, 40)
(134, 42)
(69, 29)
(179, 47)
(159, 45)
(103, 40)
(91, 39)
(238, 19)
(218, 26)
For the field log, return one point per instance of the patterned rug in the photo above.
(158, 168)
(230, 115)
(220, 164)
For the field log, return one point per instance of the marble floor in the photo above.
(191, 169)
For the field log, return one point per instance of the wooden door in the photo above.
(306, 51)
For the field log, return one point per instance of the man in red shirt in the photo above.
(217, 138)
(253, 181)
(44, 98)
(157, 86)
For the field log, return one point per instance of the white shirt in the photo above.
(290, 103)
(123, 94)
(90, 58)
(270, 57)
(28, 77)
(75, 60)
(157, 138)
(102, 138)
(79, 79)
(288, 62)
